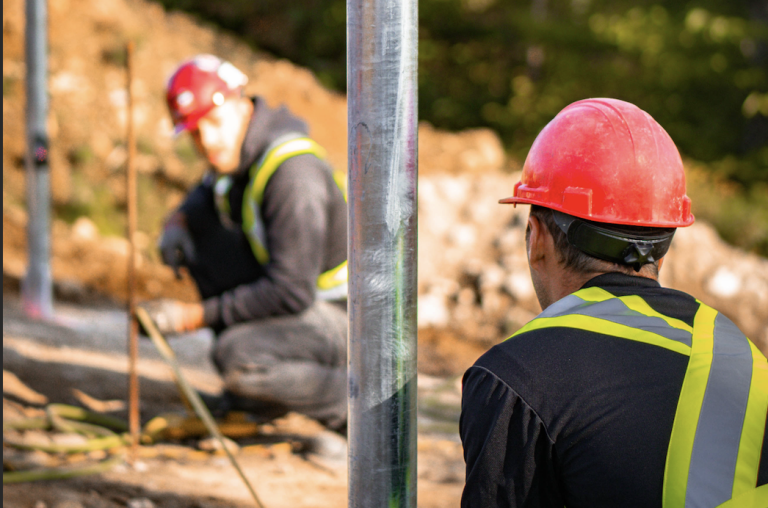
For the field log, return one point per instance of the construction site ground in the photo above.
(80, 359)
(474, 287)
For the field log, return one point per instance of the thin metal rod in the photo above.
(133, 332)
(37, 287)
(194, 398)
(382, 130)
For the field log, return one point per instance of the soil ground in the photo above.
(474, 287)
(83, 352)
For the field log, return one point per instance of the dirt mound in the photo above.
(87, 120)
(474, 287)
(473, 273)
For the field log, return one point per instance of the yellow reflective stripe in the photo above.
(594, 294)
(753, 498)
(341, 182)
(688, 409)
(333, 277)
(250, 225)
(221, 193)
(254, 196)
(262, 256)
(748, 461)
(277, 156)
(637, 304)
(634, 302)
(598, 325)
(260, 175)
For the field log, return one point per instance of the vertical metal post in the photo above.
(37, 288)
(382, 130)
(133, 332)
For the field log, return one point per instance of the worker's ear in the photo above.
(245, 106)
(538, 242)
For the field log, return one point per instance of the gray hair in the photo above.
(575, 260)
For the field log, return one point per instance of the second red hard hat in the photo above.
(608, 161)
(199, 85)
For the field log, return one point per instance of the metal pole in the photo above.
(37, 288)
(133, 332)
(382, 130)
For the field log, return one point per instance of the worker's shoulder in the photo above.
(667, 301)
(527, 356)
(556, 366)
(305, 175)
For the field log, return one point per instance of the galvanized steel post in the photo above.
(37, 288)
(382, 129)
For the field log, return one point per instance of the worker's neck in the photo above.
(245, 113)
(562, 282)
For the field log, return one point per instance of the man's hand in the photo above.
(176, 246)
(174, 317)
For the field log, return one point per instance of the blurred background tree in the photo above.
(700, 67)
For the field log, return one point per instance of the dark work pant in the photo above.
(289, 363)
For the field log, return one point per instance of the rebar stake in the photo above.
(133, 330)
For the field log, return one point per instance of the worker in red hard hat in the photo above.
(264, 236)
(621, 393)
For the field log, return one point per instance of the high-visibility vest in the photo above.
(331, 284)
(720, 421)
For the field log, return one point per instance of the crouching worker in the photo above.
(621, 393)
(264, 236)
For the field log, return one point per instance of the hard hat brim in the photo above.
(515, 200)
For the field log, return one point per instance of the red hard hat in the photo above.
(198, 86)
(607, 161)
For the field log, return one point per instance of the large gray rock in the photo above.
(473, 269)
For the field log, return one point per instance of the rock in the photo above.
(84, 230)
(511, 241)
(433, 310)
(724, 283)
(14, 386)
(328, 444)
(492, 277)
(68, 503)
(466, 297)
(140, 502)
(69, 439)
(22, 460)
(519, 285)
(36, 438)
(212, 444)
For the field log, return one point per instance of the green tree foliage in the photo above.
(700, 67)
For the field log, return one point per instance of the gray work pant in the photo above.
(289, 363)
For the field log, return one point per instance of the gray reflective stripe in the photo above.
(718, 433)
(289, 136)
(562, 306)
(616, 311)
(221, 199)
(335, 293)
(257, 229)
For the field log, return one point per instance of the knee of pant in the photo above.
(232, 360)
(255, 381)
(233, 382)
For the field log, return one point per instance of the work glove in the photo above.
(172, 316)
(176, 246)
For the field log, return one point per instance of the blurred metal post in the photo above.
(133, 331)
(382, 132)
(37, 287)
